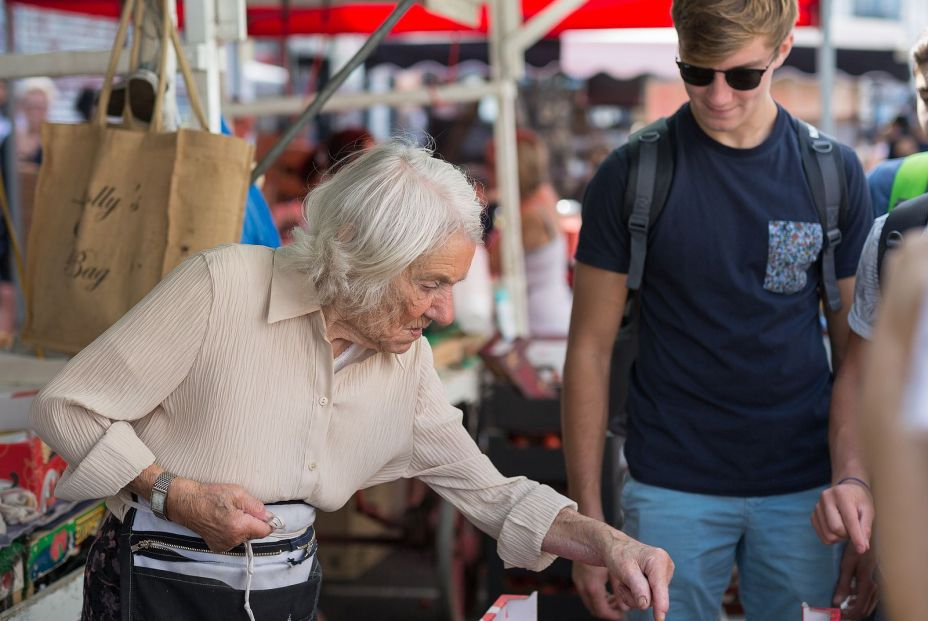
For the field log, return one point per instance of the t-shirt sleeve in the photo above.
(862, 316)
(859, 216)
(880, 181)
(604, 240)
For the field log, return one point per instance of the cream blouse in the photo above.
(223, 374)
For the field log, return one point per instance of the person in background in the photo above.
(6, 126)
(33, 97)
(846, 512)
(884, 176)
(343, 144)
(728, 404)
(543, 242)
(321, 162)
(255, 384)
(895, 428)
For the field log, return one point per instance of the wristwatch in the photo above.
(159, 493)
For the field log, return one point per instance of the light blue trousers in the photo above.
(781, 562)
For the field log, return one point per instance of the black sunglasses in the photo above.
(739, 78)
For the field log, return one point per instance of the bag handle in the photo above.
(192, 91)
(99, 117)
(169, 36)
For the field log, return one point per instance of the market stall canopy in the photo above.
(270, 18)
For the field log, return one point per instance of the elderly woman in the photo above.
(253, 387)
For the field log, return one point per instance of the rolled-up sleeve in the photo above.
(85, 413)
(516, 511)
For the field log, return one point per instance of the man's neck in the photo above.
(752, 133)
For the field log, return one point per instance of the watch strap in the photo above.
(159, 493)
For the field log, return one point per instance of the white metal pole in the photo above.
(341, 102)
(826, 67)
(506, 68)
(200, 31)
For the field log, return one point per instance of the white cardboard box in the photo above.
(513, 608)
(21, 377)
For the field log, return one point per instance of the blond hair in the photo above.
(711, 30)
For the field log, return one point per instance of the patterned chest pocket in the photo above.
(792, 248)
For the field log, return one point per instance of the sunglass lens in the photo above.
(743, 79)
(697, 76)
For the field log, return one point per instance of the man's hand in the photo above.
(591, 586)
(845, 511)
(223, 515)
(857, 583)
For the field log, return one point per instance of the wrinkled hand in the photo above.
(857, 582)
(223, 515)
(845, 511)
(640, 575)
(591, 586)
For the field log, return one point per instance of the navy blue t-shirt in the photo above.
(730, 390)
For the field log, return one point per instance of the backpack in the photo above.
(907, 216)
(650, 174)
(911, 180)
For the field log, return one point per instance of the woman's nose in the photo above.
(442, 309)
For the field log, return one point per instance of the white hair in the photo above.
(44, 85)
(372, 219)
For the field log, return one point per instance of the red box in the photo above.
(29, 463)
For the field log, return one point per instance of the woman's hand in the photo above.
(639, 575)
(223, 515)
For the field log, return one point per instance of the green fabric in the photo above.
(911, 179)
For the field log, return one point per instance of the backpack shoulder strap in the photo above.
(907, 216)
(911, 179)
(650, 173)
(824, 168)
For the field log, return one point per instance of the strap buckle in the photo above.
(834, 237)
(822, 146)
(638, 223)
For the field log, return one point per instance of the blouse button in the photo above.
(323, 400)
(311, 465)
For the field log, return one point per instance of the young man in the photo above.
(728, 407)
(886, 177)
(846, 511)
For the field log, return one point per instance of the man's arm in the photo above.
(845, 510)
(599, 302)
(838, 329)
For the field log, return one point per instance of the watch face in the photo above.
(157, 502)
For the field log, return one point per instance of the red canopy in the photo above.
(270, 20)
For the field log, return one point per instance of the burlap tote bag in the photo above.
(117, 207)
